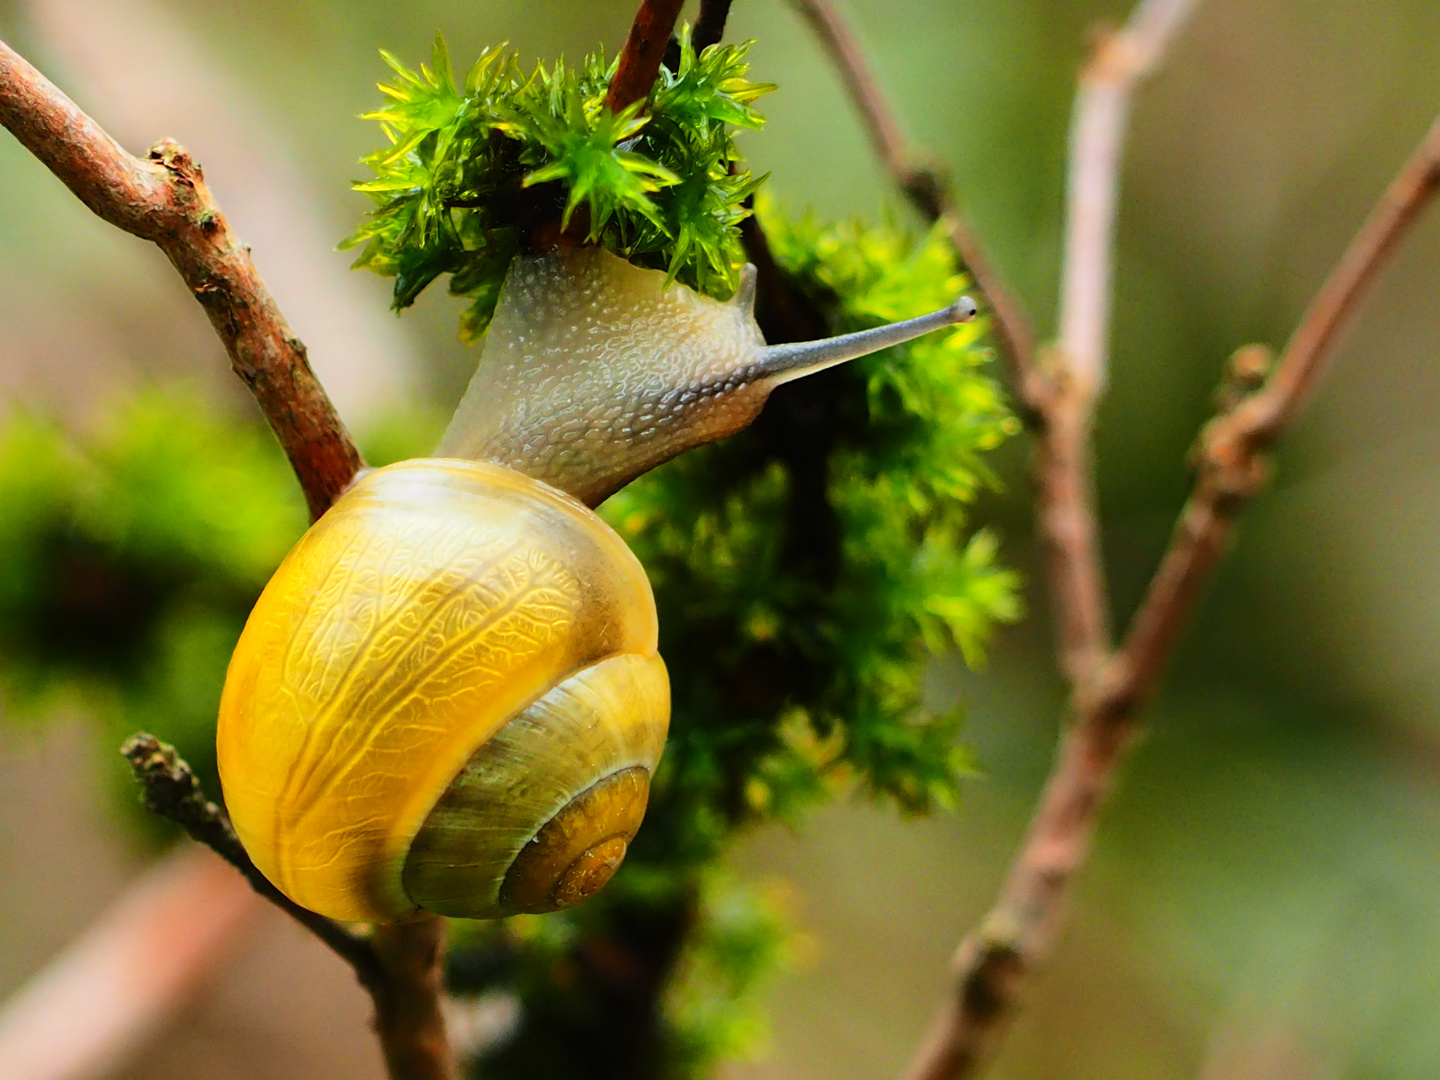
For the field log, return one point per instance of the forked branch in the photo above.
(1066, 510)
(994, 964)
(1231, 466)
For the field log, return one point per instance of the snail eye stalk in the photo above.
(595, 371)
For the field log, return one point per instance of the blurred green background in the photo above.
(1264, 900)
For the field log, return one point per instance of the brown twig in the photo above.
(1066, 502)
(1231, 466)
(1121, 58)
(710, 25)
(931, 194)
(410, 1000)
(400, 965)
(163, 198)
(173, 791)
(643, 52)
(993, 966)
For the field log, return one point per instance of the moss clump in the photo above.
(469, 171)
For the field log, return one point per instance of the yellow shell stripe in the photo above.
(428, 606)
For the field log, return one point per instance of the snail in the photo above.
(449, 696)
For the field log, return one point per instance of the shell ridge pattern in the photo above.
(411, 689)
(461, 587)
(356, 654)
(338, 696)
(587, 727)
(398, 637)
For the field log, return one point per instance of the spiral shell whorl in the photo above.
(566, 776)
(434, 604)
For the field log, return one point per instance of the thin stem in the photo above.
(643, 52)
(1232, 469)
(164, 199)
(783, 363)
(410, 1000)
(710, 26)
(173, 791)
(1068, 523)
(930, 192)
(994, 964)
(1097, 137)
(401, 966)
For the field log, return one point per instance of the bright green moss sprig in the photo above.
(800, 580)
(470, 170)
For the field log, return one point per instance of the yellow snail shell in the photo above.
(448, 697)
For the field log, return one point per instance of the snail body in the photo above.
(449, 696)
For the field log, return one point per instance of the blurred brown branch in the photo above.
(930, 191)
(1065, 486)
(1231, 468)
(163, 198)
(643, 51)
(994, 964)
(1119, 60)
(87, 1013)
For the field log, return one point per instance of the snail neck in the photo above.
(594, 371)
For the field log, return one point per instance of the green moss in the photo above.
(128, 563)
(470, 170)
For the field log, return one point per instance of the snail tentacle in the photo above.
(784, 363)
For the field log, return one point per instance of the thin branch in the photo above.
(710, 25)
(1066, 500)
(173, 791)
(401, 966)
(1066, 514)
(929, 191)
(163, 198)
(1097, 136)
(994, 964)
(1231, 466)
(410, 1001)
(643, 52)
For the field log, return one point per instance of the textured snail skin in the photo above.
(594, 371)
(437, 601)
